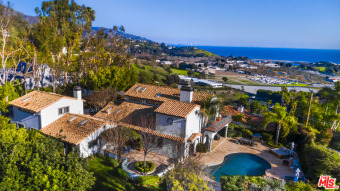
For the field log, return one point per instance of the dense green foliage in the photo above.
(242, 183)
(147, 167)
(148, 180)
(298, 186)
(267, 137)
(32, 161)
(320, 160)
(201, 148)
(186, 176)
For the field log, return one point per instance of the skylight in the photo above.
(143, 89)
(137, 88)
(26, 99)
(71, 119)
(108, 109)
(117, 111)
(158, 94)
(82, 122)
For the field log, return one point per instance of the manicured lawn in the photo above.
(108, 179)
(179, 72)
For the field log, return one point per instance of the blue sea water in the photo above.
(240, 164)
(288, 54)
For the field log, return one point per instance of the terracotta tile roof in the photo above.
(229, 110)
(193, 136)
(176, 108)
(153, 132)
(37, 100)
(129, 115)
(72, 131)
(123, 112)
(167, 93)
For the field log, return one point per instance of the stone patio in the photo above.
(226, 146)
(160, 161)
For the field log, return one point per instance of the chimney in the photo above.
(240, 109)
(77, 92)
(186, 92)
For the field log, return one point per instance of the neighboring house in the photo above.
(178, 121)
(38, 109)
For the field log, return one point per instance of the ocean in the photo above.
(287, 54)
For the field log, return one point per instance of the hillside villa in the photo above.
(177, 126)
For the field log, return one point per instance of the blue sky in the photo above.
(246, 23)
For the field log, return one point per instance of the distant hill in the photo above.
(30, 19)
(125, 35)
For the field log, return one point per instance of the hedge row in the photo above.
(139, 166)
(272, 144)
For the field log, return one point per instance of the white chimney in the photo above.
(240, 109)
(186, 93)
(77, 92)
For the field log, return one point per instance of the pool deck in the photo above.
(227, 146)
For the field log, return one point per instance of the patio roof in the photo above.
(219, 124)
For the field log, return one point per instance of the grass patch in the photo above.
(179, 72)
(108, 178)
(321, 69)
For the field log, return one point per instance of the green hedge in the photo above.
(246, 133)
(139, 166)
(201, 148)
(242, 183)
(272, 144)
(148, 180)
(267, 137)
(233, 133)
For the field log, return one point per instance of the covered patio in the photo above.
(219, 126)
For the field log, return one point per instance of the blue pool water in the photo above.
(239, 164)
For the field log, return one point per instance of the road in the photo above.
(253, 89)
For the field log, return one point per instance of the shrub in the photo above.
(246, 133)
(233, 133)
(272, 144)
(139, 166)
(123, 174)
(231, 183)
(298, 186)
(267, 137)
(201, 148)
(147, 180)
(114, 162)
(318, 160)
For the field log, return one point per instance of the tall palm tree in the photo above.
(281, 117)
(209, 109)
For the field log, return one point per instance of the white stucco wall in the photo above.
(85, 151)
(51, 113)
(169, 148)
(193, 123)
(28, 119)
(176, 129)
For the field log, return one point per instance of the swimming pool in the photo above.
(239, 164)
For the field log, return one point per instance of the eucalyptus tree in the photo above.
(70, 21)
(12, 35)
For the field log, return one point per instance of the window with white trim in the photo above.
(63, 110)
